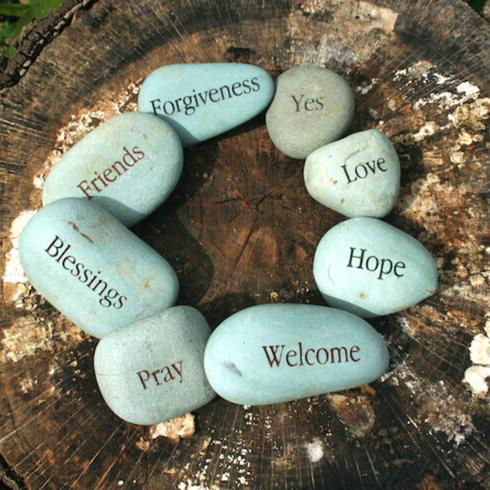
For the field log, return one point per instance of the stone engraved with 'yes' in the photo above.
(308, 104)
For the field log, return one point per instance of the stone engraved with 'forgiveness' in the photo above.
(191, 102)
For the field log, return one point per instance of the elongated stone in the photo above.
(357, 176)
(92, 268)
(312, 106)
(129, 165)
(370, 268)
(203, 100)
(280, 352)
(152, 370)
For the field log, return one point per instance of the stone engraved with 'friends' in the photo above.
(129, 159)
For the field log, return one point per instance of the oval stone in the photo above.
(92, 268)
(153, 370)
(371, 268)
(356, 176)
(203, 100)
(280, 352)
(312, 107)
(128, 165)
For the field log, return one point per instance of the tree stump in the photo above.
(240, 230)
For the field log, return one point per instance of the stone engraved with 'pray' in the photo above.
(168, 373)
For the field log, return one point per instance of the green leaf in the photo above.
(10, 51)
(13, 9)
(7, 29)
(476, 4)
(41, 8)
(35, 10)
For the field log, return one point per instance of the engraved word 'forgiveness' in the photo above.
(162, 375)
(382, 266)
(189, 103)
(309, 357)
(108, 296)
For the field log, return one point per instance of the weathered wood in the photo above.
(240, 229)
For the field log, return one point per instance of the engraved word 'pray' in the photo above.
(160, 376)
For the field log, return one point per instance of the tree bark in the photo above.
(240, 230)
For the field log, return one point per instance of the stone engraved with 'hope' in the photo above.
(322, 355)
(168, 373)
(373, 264)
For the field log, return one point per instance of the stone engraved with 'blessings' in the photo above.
(80, 271)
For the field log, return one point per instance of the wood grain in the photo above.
(240, 229)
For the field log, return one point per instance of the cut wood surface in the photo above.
(240, 230)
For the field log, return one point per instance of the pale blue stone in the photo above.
(128, 165)
(203, 100)
(92, 268)
(357, 176)
(312, 106)
(280, 352)
(152, 370)
(370, 268)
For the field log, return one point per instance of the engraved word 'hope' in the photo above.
(383, 266)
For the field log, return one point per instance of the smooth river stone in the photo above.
(128, 165)
(280, 352)
(153, 370)
(203, 100)
(370, 268)
(356, 176)
(312, 107)
(92, 268)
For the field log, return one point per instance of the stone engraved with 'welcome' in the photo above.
(322, 355)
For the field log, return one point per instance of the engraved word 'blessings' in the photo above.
(107, 296)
